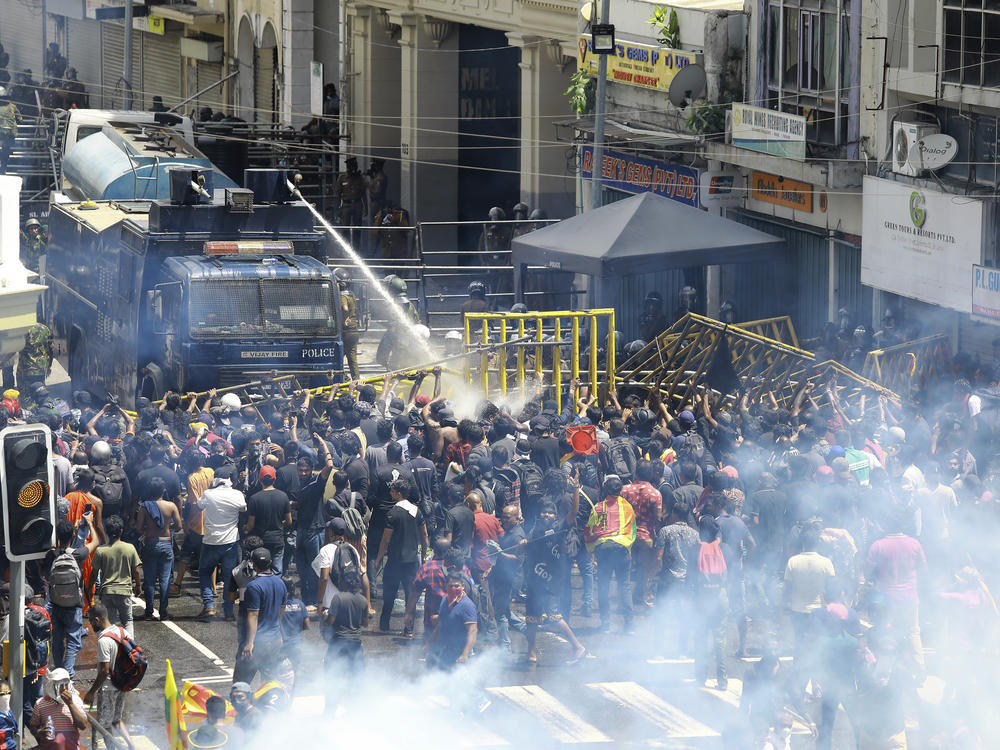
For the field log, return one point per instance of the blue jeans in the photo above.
(307, 546)
(211, 556)
(613, 558)
(157, 564)
(67, 636)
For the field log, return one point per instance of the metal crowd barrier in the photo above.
(911, 363)
(520, 344)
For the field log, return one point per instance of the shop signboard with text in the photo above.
(636, 174)
(920, 243)
(635, 64)
(769, 131)
(986, 294)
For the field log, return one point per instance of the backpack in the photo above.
(531, 479)
(111, 481)
(37, 632)
(130, 663)
(345, 559)
(66, 581)
(505, 486)
(356, 526)
(621, 457)
(694, 444)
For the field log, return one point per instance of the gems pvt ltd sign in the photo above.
(634, 174)
(636, 64)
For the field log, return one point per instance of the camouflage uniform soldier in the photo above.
(10, 116)
(34, 363)
(32, 244)
(349, 310)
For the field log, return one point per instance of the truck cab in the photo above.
(209, 288)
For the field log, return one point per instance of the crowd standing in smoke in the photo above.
(849, 531)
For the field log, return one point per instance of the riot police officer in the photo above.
(889, 334)
(350, 192)
(477, 299)
(349, 311)
(652, 322)
(393, 349)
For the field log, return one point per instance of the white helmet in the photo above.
(422, 331)
(453, 336)
(231, 401)
(100, 451)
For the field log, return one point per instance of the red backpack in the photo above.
(130, 664)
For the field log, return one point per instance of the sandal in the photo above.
(576, 659)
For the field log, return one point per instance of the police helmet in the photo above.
(423, 332)
(497, 214)
(688, 296)
(453, 336)
(538, 215)
(397, 286)
(634, 347)
(888, 314)
(727, 312)
(521, 211)
(477, 289)
(342, 276)
(519, 307)
(32, 222)
(654, 298)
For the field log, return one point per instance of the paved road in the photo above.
(624, 693)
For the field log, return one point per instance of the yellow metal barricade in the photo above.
(530, 346)
(900, 366)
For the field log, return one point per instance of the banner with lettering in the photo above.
(636, 64)
(636, 174)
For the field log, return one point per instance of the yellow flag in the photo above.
(176, 731)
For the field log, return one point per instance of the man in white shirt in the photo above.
(222, 505)
(110, 700)
(325, 561)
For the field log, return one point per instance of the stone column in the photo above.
(297, 57)
(545, 70)
(428, 117)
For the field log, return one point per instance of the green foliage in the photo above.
(708, 118)
(668, 29)
(581, 92)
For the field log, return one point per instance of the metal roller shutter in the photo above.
(21, 35)
(83, 42)
(161, 69)
(209, 73)
(113, 63)
(264, 84)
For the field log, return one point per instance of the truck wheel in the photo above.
(151, 382)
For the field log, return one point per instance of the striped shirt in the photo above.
(65, 734)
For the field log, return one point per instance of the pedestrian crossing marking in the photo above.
(635, 697)
(565, 725)
(472, 733)
(142, 742)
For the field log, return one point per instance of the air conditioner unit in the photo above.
(904, 135)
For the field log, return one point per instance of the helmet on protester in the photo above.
(477, 289)
(634, 347)
(342, 276)
(100, 451)
(497, 214)
(521, 211)
(231, 401)
(397, 286)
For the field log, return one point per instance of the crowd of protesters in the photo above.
(847, 531)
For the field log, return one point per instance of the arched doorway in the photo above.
(265, 69)
(245, 61)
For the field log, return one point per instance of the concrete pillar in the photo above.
(18, 297)
(428, 117)
(297, 56)
(545, 70)
(372, 76)
(326, 40)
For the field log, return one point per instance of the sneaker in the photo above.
(231, 617)
(205, 615)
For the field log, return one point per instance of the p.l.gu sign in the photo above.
(635, 174)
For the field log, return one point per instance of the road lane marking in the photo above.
(654, 709)
(565, 725)
(734, 693)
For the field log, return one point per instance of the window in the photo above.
(809, 67)
(263, 308)
(972, 42)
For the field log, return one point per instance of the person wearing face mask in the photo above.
(59, 716)
(8, 722)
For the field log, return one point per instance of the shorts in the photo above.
(191, 549)
(110, 705)
(542, 605)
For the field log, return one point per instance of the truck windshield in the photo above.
(269, 307)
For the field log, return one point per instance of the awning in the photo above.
(733, 5)
(190, 15)
(631, 131)
(644, 233)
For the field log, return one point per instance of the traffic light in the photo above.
(29, 506)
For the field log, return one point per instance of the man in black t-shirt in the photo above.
(459, 522)
(404, 529)
(380, 499)
(269, 513)
(345, 655)
(545, 568)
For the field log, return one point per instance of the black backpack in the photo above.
(531, 479)
(505, 486)
(345, 559)
(110, 480)
(37, 632)
(621, 457)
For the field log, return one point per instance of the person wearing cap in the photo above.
(248, 716)
(265, 598)
(269, 513)
(220, 544)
